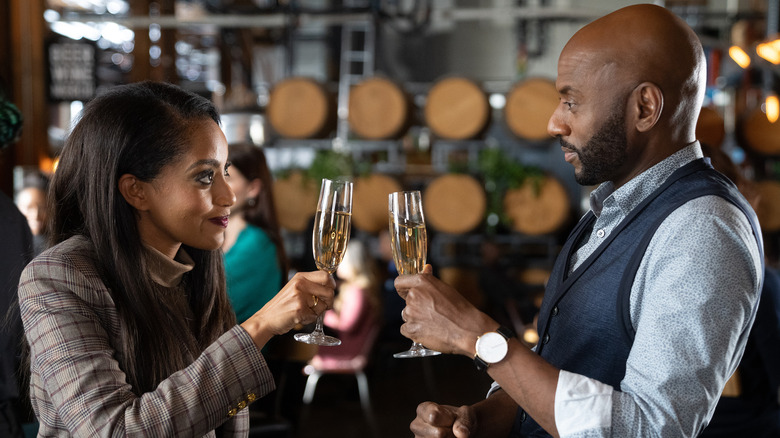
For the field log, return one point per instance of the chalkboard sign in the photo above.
(71, 70)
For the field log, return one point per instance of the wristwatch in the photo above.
(492, 347)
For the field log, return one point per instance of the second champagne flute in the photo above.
(409, 241)
(329, 241)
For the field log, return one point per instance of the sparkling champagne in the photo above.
(330, 237)
(410, 243)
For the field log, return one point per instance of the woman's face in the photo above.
(189, 201)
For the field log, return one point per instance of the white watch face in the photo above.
(492, 347)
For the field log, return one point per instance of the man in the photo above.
(15, 252)
(649, 304)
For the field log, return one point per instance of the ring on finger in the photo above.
(403, 317)
(316, 301)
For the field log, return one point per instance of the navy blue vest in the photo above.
(584, 322)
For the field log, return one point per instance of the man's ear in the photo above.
(132, 189)
(648, 102)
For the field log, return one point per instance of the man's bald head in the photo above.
(648, 43)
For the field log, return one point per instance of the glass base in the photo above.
(318, 339)
(416, 351)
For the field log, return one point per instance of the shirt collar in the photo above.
(634, 191)
(168, 272)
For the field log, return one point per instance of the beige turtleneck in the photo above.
(169, 272)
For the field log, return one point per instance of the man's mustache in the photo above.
(568, 146)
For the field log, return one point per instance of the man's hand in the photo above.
(434, 420)
(439, 317)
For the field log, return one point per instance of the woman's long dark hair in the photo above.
(250, 161)
(138, 129)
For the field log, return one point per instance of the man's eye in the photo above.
(206, 178)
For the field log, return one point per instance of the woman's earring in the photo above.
(251, 202)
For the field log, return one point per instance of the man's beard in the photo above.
(603, 154)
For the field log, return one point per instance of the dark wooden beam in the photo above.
(24, 41)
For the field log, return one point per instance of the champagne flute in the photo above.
(409, 241)
(329, 241)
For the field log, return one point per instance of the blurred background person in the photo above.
(750, 402)
(31, 201)
(256, 266)
(15, 252)
(255, 261)
(355, 317)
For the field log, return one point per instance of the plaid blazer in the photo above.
(77, 387)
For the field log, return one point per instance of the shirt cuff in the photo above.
(581, 403)
(493, 388)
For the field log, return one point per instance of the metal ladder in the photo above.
(356, 63)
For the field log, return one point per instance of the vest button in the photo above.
(555, 311)
(600, 233)
(522, 416)
(546, 338)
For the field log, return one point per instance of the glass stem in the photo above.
(318, 324)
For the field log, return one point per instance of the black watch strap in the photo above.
(480, 364)
(503, 331)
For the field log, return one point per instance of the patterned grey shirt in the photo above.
(691, 305)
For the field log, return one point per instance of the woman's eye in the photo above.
(206, 178)
(568, 104)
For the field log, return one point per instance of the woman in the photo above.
(127, 319)
(354, 317)
(255, 262)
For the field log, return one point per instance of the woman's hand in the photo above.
(304, 297)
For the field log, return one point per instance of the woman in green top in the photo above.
(255, 261)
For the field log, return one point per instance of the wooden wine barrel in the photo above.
(529, 105)
(539, 210)
(768, 210)
(760, 134)
(369, 201)
(710, 128)
(295, 199)
(301, 108)
(454, 203)
(534, 276)
(457, 109)
(378, 109)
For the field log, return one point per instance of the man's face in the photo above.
(31, 202)
(590, 119)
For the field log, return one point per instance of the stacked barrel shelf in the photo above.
(495, 222)
(437, 141)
